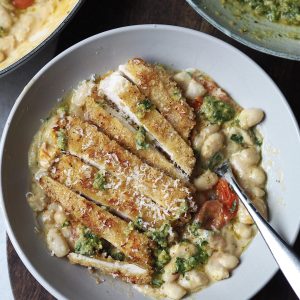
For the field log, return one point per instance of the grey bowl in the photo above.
(264, 36)
(180, 48)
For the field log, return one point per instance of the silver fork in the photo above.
(286, 259)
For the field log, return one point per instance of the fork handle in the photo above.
(286, 259)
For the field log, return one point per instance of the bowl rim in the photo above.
(12, 67)
(238, 38)
(132, 28)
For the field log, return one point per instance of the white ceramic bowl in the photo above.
(180, 48)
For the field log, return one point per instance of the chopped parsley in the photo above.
(88, 243)
(237, 138)
(184, 265)
(139, 224)
(140, 139)
(215, 160)
(162, 257)
(115, 254)
(66, 223)
(143, 107)
(62, 140)
(233, 207)
(160, 236)
(63, 109)
(99, 181)
(194, 227)
(157, 281)
(2, 31)
(256, 140)
(216, 111)
(176, 94)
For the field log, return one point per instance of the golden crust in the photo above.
(167, 137)
(75, 174)
(134, 245)
(114, 128)
(117, 269)
(157, 85)
(95, 148)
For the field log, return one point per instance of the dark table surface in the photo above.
(96, 16)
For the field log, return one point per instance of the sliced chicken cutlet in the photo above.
(107, 190)
(130, 100)
(127, 272)
(134, 245)
(156, 84)
(126, 136)
(94, 147)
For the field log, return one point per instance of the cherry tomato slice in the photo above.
(196, 104)
(211, 215)
(22, 4)
(229, 198)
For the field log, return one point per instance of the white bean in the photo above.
(212, 145)
(258, 192)
(215, 270)
(243, 215)
(257, 176)
(193, 280)
(260, 204)
(170, 274)
(250, 156)
(205, 132)
(59, 217)
(217, 242)
(56, 243)
(194, 89)
(250, 117)
(227, 260)
(184, 250)
(182, 78)
(242, 230)
(206, 181)
(173, 290)
(237, 164)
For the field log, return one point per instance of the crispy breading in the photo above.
(134, 245)
(127, 272)
(75, 174)
(156, 84)
(94, 147)
(129, 99)
(115, 129)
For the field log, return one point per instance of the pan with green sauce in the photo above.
(279, 11)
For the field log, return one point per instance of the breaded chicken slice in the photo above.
(126, 271)
(156, 84)
(126, 136)
(134, 245)
(107, 190)
(129, 99)
(94, 147)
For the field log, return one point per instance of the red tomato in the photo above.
(22, 4)
(211, 215)
(214, 214)
(196, 104)
(228, 197)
